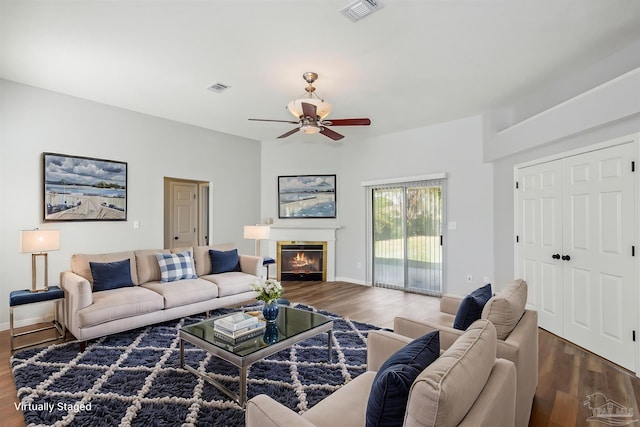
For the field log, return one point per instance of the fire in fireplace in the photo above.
(302, 261)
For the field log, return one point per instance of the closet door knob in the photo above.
(555, 256)
(566, 258)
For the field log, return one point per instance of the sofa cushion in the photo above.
(202, 258)
(390, 390)
(111, 275)
(147, 265)
(224, 261)
(235, 282)
(470, 308)
(506, 308)
(80, 263)
(445, 391)
(176, 267)
(117, 304)
(183, 292)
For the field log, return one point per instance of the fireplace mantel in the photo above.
(307, 233)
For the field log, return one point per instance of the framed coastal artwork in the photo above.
(83, 188)
(307, 196)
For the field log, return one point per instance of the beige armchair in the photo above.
(517, 336)
(465, 386)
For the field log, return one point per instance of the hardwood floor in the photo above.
(566, 374)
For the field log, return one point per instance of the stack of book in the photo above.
(237, 328)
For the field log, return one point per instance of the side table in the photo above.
(24, 297)
(268, 262)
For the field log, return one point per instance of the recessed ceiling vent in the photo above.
(218, 87)
(360, 9)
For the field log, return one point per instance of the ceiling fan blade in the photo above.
(291, 132)
(309, 110)
(279, 121)
(347, 122)
(331, 134)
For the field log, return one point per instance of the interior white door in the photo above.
(184, 214)
(539, 225)
(599, 269)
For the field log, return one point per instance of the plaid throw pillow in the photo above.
(176, 266)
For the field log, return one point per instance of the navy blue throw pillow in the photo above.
(111, 275)
(390, 390)
(470, 308)
(224, 261)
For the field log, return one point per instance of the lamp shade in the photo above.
(256, 232)
(39, 240)
(323, 108)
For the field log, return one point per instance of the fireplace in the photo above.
(306, 261)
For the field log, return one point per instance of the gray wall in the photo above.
(33, 121)
(453, 147)
(597, 104)
(244, 172)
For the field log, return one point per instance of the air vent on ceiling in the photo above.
(219, 87)
(360, 9)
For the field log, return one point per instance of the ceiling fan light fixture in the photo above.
(323, 108)
(309, 129)
(311, 111)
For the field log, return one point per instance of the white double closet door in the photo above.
(576, 233)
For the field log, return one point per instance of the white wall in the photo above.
(33, 121)
(597, 104)
(454, 147)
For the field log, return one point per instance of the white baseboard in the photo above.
(356, 281)
(26, 322)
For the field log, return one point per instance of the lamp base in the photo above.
(34, 286)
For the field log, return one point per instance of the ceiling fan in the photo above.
(311, 112)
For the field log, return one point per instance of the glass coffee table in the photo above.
(292, 326)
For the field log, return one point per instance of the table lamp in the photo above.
(257, 233)
(37, 243)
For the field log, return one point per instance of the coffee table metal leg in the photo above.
(181, 353)
(242, 400)
(329, 343)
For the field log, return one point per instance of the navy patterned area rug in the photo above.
(134, 378)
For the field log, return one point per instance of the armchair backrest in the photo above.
(448, 388)
(506, 308)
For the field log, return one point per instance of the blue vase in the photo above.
(271, 333)
(270, 311)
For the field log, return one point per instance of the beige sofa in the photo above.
(96, 314)
(465, 386)
(517, 336)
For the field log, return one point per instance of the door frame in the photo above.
(633, 138)
(204, 220)
(368, 192)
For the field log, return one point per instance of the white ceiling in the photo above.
(412, 64)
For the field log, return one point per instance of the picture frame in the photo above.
(77, 188)
(307, 196)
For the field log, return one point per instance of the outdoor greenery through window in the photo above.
(406, 228)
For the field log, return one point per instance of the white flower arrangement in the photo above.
(268, 290)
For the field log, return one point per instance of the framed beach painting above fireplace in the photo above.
(79, 188)
(307, 196)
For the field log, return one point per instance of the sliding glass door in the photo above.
(406, 244)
